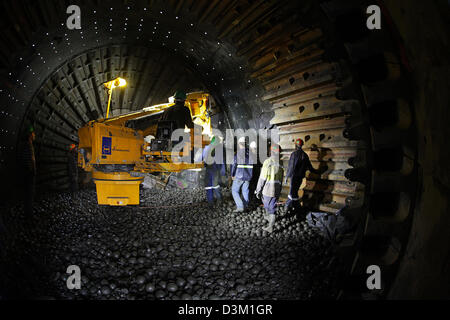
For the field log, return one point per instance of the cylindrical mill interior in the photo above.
(370, 105)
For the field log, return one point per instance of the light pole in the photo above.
(116, 83)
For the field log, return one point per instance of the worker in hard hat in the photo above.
(179, 113)
(72, 168)
(27, 162)
(299, 163)
(270, 184)
(241, 173)
(213, 172)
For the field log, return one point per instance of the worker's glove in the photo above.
(258, 195)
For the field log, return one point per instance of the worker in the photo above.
(27, 163)
(299, 163)
(241, 173)
(213, 172)
(270, 184)
(72, 168)
(179, 113)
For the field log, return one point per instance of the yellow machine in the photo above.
(119, 154)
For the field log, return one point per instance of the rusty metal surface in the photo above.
(301, 88)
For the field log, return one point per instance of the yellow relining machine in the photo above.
(119, 155)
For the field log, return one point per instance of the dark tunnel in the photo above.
(371, 105)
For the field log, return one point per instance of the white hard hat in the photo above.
(241, 140)
(253, 144)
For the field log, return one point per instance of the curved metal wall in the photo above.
(309, 69)
(74, 95)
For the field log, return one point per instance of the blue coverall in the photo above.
(212, 176)
(242, 171)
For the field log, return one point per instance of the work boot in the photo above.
(271, 220)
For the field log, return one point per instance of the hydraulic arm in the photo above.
(119, 155)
